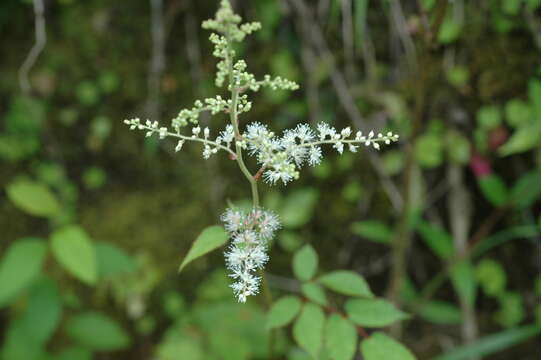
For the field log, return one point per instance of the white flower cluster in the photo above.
(282, 156)
(214, 105)
(210, 147)
(247, 253)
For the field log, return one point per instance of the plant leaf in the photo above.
(210, 239)
(305, 263)
(373, 312)
(340, 338)
(463, 279)
(308, 329)
(33, 198)
(315, 293)
(439, 312)
(494, 189)
(73, 249)
(97, 332)
(283, 311)
(372, 230)
(382, 347)
(492, 343)
(347, 283)
(113, 260)
(437, 239)
(19, 266)
(298, 207)
(527, 190)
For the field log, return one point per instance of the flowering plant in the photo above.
(280, 156)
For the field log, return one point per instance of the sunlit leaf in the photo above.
(525, 138)
(210, 239)
(33, 198)
(373, 312)
(346, 282)
(308, 329)
(73, 249)
(314, 293)
(491, 277)
(305, 263)
(340, 338)
(283, 311)
(382, 347)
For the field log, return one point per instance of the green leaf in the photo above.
(373, 312)
(458, 147)
(73, 249)
(210, 239)
(463, 279)
(491, 277)
(33, 198)
(511, 311)
(283, 311)
(308, 329)
(449, 31)
(525, 138)
(437, 239)
(458, 76)
(518, 113)
(315, 293)
(518, 232)
(20, 265)
(372, 230)
(298, 207)
(28, 333)
(489, 117)
(492, 344)
(97, 332)
(43, 313)
(74, 353)
(393, 162)
(494, 189)
(346, 282)
(305, 263)
(439, 312)
(112, 260)
(382, 347)
(429, 150)
(511, 7)
(527, 190)
(340, 338)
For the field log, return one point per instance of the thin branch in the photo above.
(347, 36)
(37, 48)
(157, 61)
(186, 138)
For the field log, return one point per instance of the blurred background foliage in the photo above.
(95, 220)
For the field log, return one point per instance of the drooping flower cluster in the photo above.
(247, 252)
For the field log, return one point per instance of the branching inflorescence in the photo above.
(280, 156)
